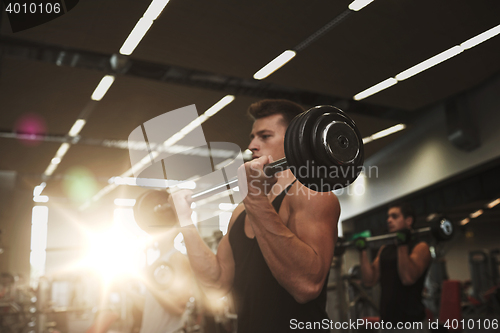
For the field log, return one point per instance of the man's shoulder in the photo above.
(300, 195)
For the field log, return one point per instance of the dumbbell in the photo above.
(441, 229)
(323, 149)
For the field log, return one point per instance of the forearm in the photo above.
(203, 261)
(407, 269)
(294, 264)
(170, 304)
(367, 271)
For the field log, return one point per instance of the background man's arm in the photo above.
(412, 266)
(370, 272)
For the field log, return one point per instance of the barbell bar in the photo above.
(441, 228)
(323, 149)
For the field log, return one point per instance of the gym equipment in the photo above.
(323, 149)
(440, 228)
(161, 274)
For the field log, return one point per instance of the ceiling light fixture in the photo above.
(433, 61)
(274, 65)
(476, 214)
(62, 150)
(142, 26)
(359, 4)
(103, 87)
(481, 38)
(464, 221)
(77, 127)
(493, 203)
(375, 89)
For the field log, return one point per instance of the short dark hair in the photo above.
(268, 107)
(406, 209)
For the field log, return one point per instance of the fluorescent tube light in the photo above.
(481, 38)
(494, 203)
(464, 221)
(41, 198)
(136, 35)
(78, 125)
(388, 131)
(274, 65)
(375, 89)
(476, 214)
(102, 87)
(50, 169)
(62, 149)
(438, 58)
(55, 160)
(359, 4)
(155, 8)
(124, 202)
(219, 105)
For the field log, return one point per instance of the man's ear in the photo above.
(409, 221)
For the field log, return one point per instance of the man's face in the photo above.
(396, 221)
(267, 137)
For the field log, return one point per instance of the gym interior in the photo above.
(85, 94)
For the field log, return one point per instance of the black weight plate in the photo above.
(338, 145)
(146, 217)
(442, 228)
(291, 142)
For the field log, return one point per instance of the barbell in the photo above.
(323, 149)
(440, 228)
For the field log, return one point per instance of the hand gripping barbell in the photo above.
(323, 149)
(440, 228)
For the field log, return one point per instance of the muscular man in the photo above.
(400, 268)
(163, 308)
(277, 253)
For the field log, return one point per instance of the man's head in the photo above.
(271, 119)
(400, 216)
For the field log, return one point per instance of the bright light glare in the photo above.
(119, 250)
(359, 4)
(424, 65)
(125, 202)
(227, 206)
(494, 203)
(464, 221)
(78, 125)
(481, 38)
(274, 65)
(189, 185)
(102, 87)
(136, 35)
(375, 89)
(179, 244)
(55, 160)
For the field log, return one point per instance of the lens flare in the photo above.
(80, 184)
(30, 126)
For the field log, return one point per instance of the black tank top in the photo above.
(262, 304)
(399, 303)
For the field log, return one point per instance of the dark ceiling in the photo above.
(232, 39)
